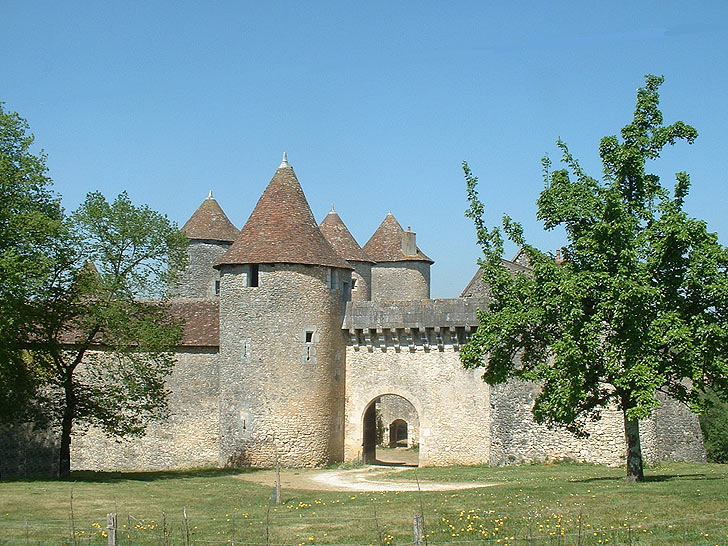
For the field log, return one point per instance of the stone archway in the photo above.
(398, 434)
(390, 431)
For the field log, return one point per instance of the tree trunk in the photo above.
(64, 462)
(634, 449)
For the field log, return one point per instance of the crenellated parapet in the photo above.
(419, 325)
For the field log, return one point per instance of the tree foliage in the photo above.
(94, 331)
(637, 307)
(30, 220)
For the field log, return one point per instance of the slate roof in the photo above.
(209, 222)
(282, 229)
(339, 237)
(386, 243)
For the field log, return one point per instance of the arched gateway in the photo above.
(389, 421)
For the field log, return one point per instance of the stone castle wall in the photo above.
(26, 451)
(405, 280)
(392, 408)
(411, 349)
(396, 348)
(198, 280)
(282, 366)
(362, 274)
(189, 438)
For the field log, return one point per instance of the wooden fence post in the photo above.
(111, 529)
(418, 528)
(187, 526)
(277, 491)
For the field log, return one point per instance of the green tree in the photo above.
(103, 334)
(639, 305)
(87, 337)
(30, 221)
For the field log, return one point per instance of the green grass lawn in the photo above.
(533, 504)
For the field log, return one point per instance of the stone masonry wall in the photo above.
(410, 349)
(677, 433)
(198, 280)
(189, 438)
(363, 275)
(673, 433)
(282, 367)
(405, 280)
(25, 451)
(396, 407)
(516, 438)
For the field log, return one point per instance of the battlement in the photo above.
(442, 313)
(428, 325)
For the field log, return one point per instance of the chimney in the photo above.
(409, 246)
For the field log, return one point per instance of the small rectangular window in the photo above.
(309, 337)
(217, 288)
(253, 275)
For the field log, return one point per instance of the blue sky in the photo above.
(376, 103)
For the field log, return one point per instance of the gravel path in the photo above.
(357, 479)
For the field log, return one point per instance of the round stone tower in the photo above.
(402, 271)
(339, 236)
(210, 233)
(283, 289)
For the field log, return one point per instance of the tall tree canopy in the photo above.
(638, 305)
(93, 335)
(30, 222)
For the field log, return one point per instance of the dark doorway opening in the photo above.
(390, 432)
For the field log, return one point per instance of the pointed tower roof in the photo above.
(386, 243)
(282, 229)
(340, 238)
(210, 222)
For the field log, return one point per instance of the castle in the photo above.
(298, 340)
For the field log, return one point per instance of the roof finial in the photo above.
(332, 211)
(284, 164)
(209, 195)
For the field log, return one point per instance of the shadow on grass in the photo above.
(656, 478)
(90, 476)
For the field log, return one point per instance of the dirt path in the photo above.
(357, 479)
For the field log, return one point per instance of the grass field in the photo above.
(534, 504)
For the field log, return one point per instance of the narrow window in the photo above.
(217, 288)
(253, 275)
(309, 336)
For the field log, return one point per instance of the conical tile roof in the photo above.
(386, 243)
(282, 229)
(209, 222)
(339, 237)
